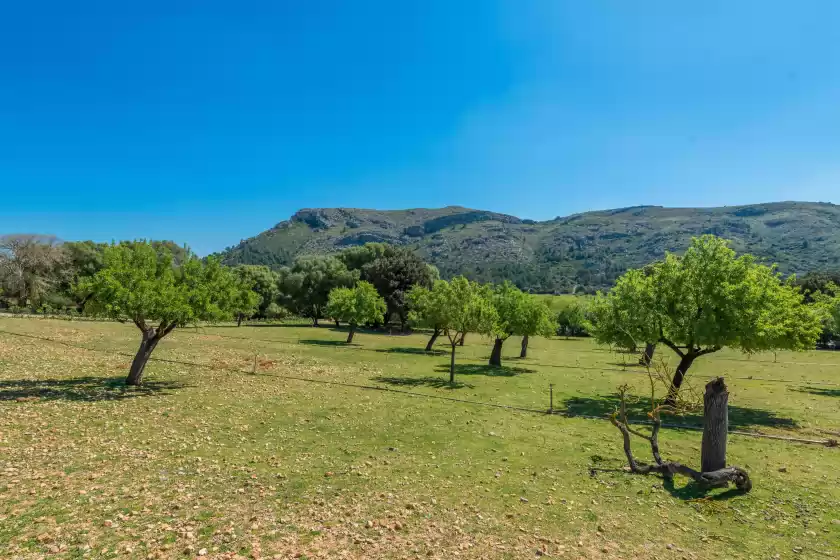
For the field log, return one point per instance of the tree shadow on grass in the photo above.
(318, 342)
(81, 389)
(484, 369)
(416, 351)
(693, 491)
(821, 391)
(436, 382)
(637, 409)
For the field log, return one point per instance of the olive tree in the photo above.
(356, 306)
(703, 301)
(263, 282)
(518, 314)
(143, 285)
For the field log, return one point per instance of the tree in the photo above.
(701, 302)
(425, 312)
(817, 281)
(143, 285)
(394, 274)
(84, 259)
(245, 301)
(461, 306)
(535, 320)
(571, 319)
(263, 281)
(827, 303)
(518, 314)
(393, 271)
(30, 266)
(356, 306)
(306, 286)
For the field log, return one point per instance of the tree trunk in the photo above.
(715, 426)
(386, 318)
(496, 355)
(432, 340)
(679, 375)
(461, 342)
(135, 374)
(452, 365)
(647, 357)
(239, 319)
(351, 333)
(337, 323)
(315, 321)
(524, 352)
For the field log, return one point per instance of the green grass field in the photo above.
(304, 459)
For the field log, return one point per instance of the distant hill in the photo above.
(581, 252)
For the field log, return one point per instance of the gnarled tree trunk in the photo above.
(524, 352)
(351, 333)
(138, 365)
(647, 357)
(679, 375)
(715, 426)
(496, 355)
(432, 340)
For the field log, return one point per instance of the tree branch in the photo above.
(672, 346)
(708, 350)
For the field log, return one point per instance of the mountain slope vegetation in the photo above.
(577, 253)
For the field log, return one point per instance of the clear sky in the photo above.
(206, 122)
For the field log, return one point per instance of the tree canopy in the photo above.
(356, 306)
(306, 286)
(703, 301)
(263, 281)
(458, 307)
(142, 284)
(518, 314)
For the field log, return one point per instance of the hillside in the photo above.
(579, 252)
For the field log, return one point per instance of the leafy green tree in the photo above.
(355, 258)
(518, 314)
(263, 281)
(426, 313)
(701, 302)
(460, 306)
(817, 282)
(535, 319)
(84, 259)
(394, 274)
(306, 286)
(356, 306)
(143, 285)
(827, 303)
(571, 319)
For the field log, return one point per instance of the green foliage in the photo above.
(263, 281)
(826, 302)
(703, 301)
(274, 311)
(575, 254)
(519, 313)
(462, 306)
(141, 283)
(305, 288)
(356, 306)
(572, 319)
(394, 273)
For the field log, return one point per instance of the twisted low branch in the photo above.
(667, 469)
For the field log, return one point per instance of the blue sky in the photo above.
(207, 122)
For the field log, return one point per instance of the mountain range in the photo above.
(577, 253)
